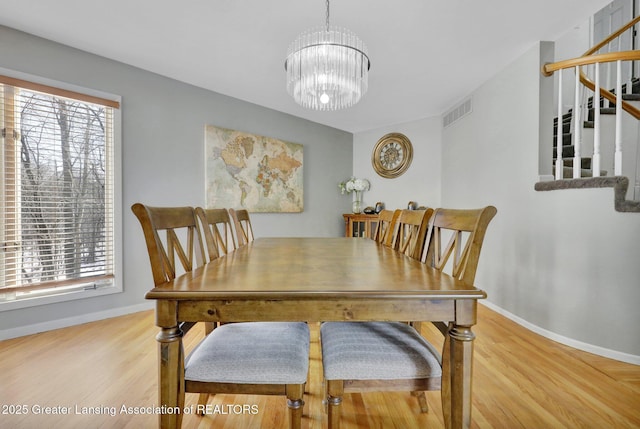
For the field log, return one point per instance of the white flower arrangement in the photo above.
(354, 184)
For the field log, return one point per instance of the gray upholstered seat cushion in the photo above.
(376, 351)
(252, 353)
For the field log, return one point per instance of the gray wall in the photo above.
(163, 144)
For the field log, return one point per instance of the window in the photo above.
(57, 202)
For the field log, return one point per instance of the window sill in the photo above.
(35, 299)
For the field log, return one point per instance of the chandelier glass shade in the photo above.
(327, 69)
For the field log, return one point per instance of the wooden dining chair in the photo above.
(219, 239)
(260, 358)
(386, 224)
(409, 227)
(242, 224)
(393, 356)
(217, 231)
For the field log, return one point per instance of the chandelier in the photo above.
(327, 68)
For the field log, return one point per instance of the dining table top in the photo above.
(314, 268)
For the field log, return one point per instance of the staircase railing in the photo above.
(615, 97)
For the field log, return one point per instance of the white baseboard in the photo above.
(21, 331)
(597, 350)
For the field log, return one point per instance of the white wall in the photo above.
(425, 167)
(564, 261)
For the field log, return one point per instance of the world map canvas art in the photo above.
(260, 174)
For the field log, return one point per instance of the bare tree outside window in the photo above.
(62, 192)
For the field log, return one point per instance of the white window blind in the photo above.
(57, 196)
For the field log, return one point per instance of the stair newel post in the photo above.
(559, 160)
(617, 166)
(595, 168)
(577, 127)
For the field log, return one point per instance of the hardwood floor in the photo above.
(521, 380)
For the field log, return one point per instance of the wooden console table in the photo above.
(360, 225)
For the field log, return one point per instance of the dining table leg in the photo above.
(170, 377)
(457, 367)
(461, 361)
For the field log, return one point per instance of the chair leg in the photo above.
(325, 397)
(295, 402)
(209, 327)
(422, 400)
(422, 397)
(202, 402)
(335, 391)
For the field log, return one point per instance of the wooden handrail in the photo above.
(549, 68)
(590, 58)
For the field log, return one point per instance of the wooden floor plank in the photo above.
(521, 380)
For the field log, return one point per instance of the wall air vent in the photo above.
(457, 113)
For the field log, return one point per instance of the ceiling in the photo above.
(426, 55)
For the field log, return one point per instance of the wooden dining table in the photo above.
(316, 280)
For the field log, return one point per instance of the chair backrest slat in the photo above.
(471, 224)
(242, 223)
(176, 222)
(409, 228)
(385, 227)
(217, 230)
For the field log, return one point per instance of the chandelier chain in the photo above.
(327, 21)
